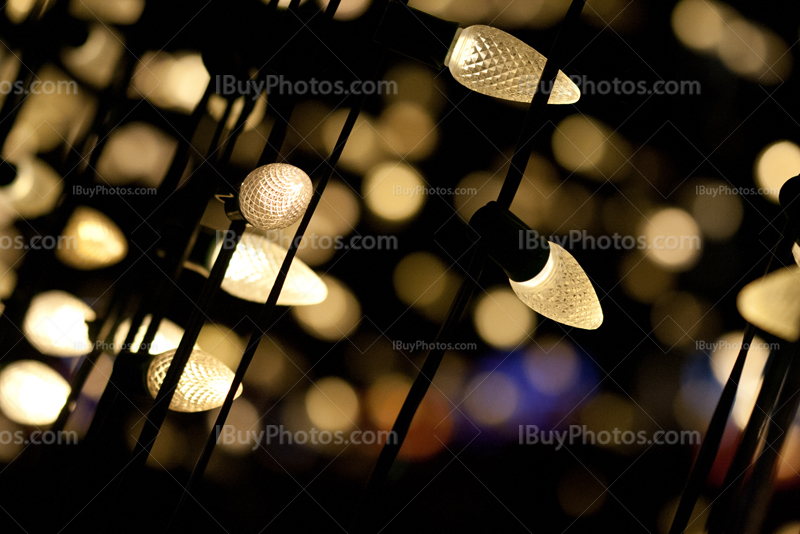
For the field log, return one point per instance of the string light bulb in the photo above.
(542, 274)
(274, 196)
(562, 292)
(494, 63)
(32, 393)
(203, 385)
(56, 324)
(255, 266)
(772, 303)
(91, 241)
(796, 253)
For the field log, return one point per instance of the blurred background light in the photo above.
(332, 404)
(32, 393)
(335, 318)
(673, 239)
(775, 164)
(491, 398)
(394, 191)
(91, 241)
(502, 320)
(56, 324)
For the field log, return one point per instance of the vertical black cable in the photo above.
(716, 428)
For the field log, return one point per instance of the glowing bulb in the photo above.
(274, 196)
(34, 192)
(492, 62)
(562, 292)
(168, 337)
(91, 241)
(204, 383)
(254, 267)
(32, 393)
(56, 324)
(772, 303)
(796, 253)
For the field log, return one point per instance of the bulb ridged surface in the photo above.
(32, 393)
(255, 266)
(275, 196)
(55, 324)
(494, 63)
(204, 383)
(566, 295)
(92, 241)
(772, 303)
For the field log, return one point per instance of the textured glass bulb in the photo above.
(255, 266)
(91, 241)
(772, 303)
(203, 386)
(275, 196)
(492, 62)
(32, 393)
(56, 324)
(562, 292)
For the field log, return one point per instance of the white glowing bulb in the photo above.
(168, 337)
(275, 196)
(772, 303)
(32, 393)
(34, 192)
(254, 267)
(796, 253)
(204, 383)
(562, 292)
(55, 324)
(91, 241)
(492, 62)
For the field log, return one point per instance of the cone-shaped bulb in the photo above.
(772, 303)
(255, 266)
(56, 324)
(796, 253)
(562, 292)
(275, 196)
(492, 62)
(204, 383)
(32, 393)
(91, 241)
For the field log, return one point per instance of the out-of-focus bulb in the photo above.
(203, 386)
(275, 196)
(492, 62)
(56, 324)
(772, 303)
(796, 253)
(168, 337)
(254, 267)
(32, 393)
(34, 192)
(91, 241)
(562, 292)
